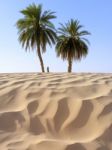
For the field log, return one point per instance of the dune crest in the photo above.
(58, 111)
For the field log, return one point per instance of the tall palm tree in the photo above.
(71, 44)
(36, 30)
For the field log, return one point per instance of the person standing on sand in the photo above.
(47, 69)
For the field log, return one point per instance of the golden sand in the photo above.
(56, 111)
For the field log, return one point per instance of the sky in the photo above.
(94, 15)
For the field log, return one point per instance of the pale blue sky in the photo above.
(95, 15)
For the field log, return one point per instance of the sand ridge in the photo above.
(59, 111)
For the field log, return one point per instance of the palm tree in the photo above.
(36, 30)
(71, 44)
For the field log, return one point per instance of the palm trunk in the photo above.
(40, 58)
(69, 65)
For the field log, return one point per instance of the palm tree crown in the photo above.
(36, 29)
(71, 44)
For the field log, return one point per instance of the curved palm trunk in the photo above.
(69, 65)
(40, 58)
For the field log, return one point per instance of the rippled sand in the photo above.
(52, 111)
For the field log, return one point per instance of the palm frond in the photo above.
(35, 28)
(71, 45)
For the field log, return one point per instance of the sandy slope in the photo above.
(55, 111)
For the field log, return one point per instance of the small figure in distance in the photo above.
(47, 69)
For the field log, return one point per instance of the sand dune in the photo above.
(58, 111)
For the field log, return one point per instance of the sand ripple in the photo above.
(56, 111)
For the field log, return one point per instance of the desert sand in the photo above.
(56, 111)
